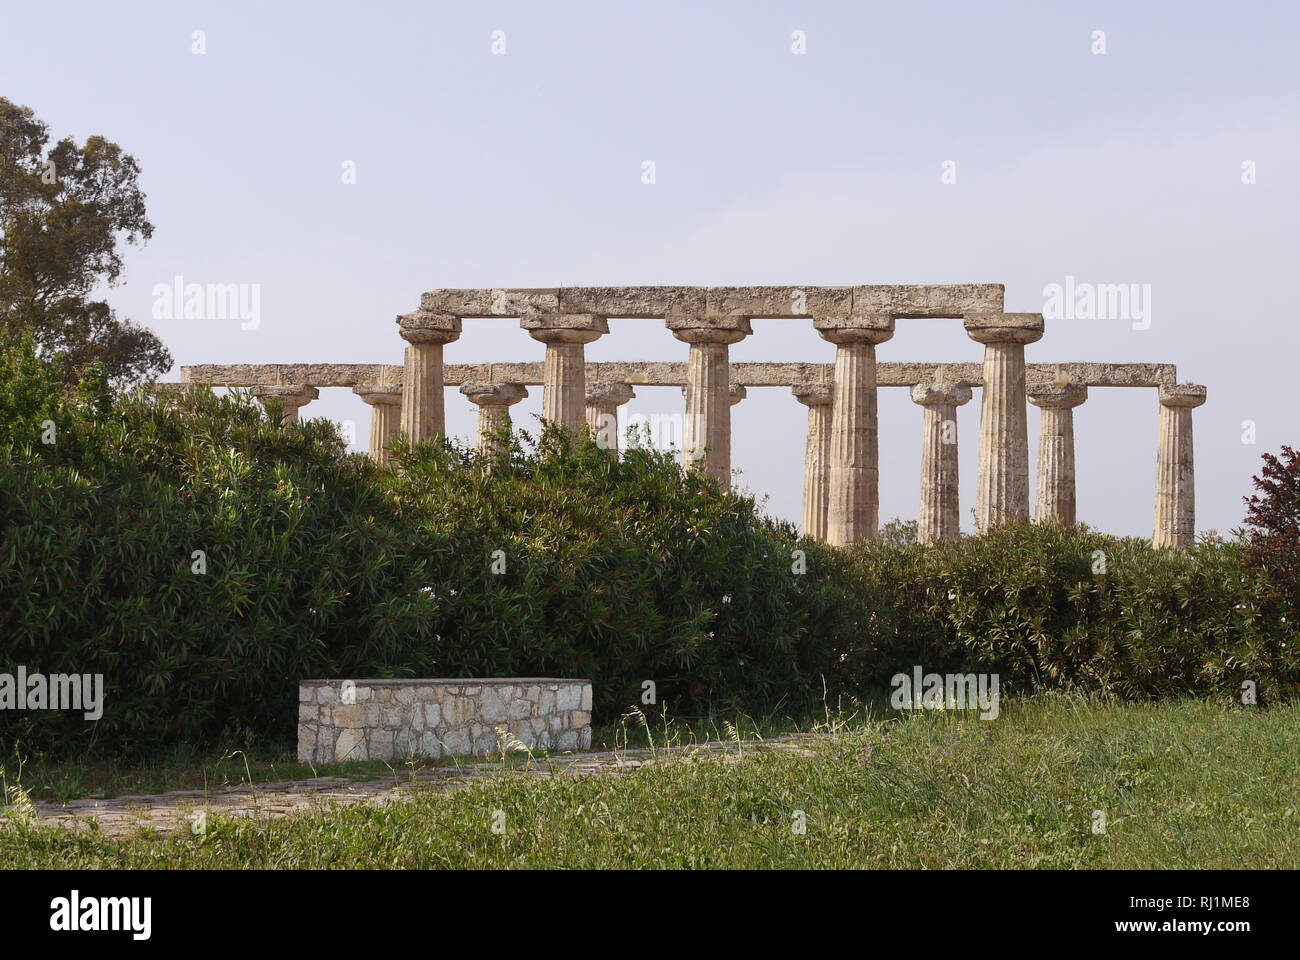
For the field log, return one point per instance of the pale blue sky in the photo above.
(524, 169)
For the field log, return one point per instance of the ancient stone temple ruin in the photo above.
(841, 472)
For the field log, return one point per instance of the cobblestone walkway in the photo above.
(180, 810)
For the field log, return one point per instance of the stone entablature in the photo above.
(342, 720)
(674, 374)
(897, 301)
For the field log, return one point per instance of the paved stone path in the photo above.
(180, 810)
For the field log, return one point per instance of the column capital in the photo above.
(935, 394)
(552, 328)
(1065, 395)
(1182, 395)
(717, 329)
(609, 392)
(487, 394)
(859, 328)
(1005, 327)
(813, 394)
(378, 394)
(422, 327)
(291, 395)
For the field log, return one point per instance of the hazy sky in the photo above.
(525, 168)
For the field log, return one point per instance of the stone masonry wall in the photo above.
(341, 720)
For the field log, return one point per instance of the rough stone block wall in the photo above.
(341, 720)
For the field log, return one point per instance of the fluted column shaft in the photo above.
(601, 414)
(940, 514)
(385, 421)
(706, 436)
(494, 401)
(853, 494)
(564, 384)
(853, 474)
(564, 371)
(491, 420)
(603, 400)
(1175, 524)
(1056, 499)
(423, 405)
(1002, 493)
(816, 463)
(706, 439)
(385, 416)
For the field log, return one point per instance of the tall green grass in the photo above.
(1181, 784)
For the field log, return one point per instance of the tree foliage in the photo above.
(65, 211)
(1273, 518)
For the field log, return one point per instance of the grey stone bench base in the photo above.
(340, 720)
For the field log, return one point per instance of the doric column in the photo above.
(292, 398)
(385, 402)
(494, 401)
(1002, 494)
(706, 439)
(603, 400)
(564, 375)
(816, 462)
(853, 492)
(1056, 491)
(940, 515)
(736, 393)
(1176, 467)
(423, 413)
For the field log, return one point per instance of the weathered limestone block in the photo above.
(1056, 485)
(1176, 467)
(940, 515)
(392, 719)
(905, 300)
(894, 300)
(496, 302)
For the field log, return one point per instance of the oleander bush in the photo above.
(548, 558)
(1053, 607)
(304, 568)
(566, 561)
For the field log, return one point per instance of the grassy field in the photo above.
(1180, 784)
(183, 768)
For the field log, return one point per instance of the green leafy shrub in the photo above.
(1054, 606)
(560, 561)
(575, 563)
(306, 569)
